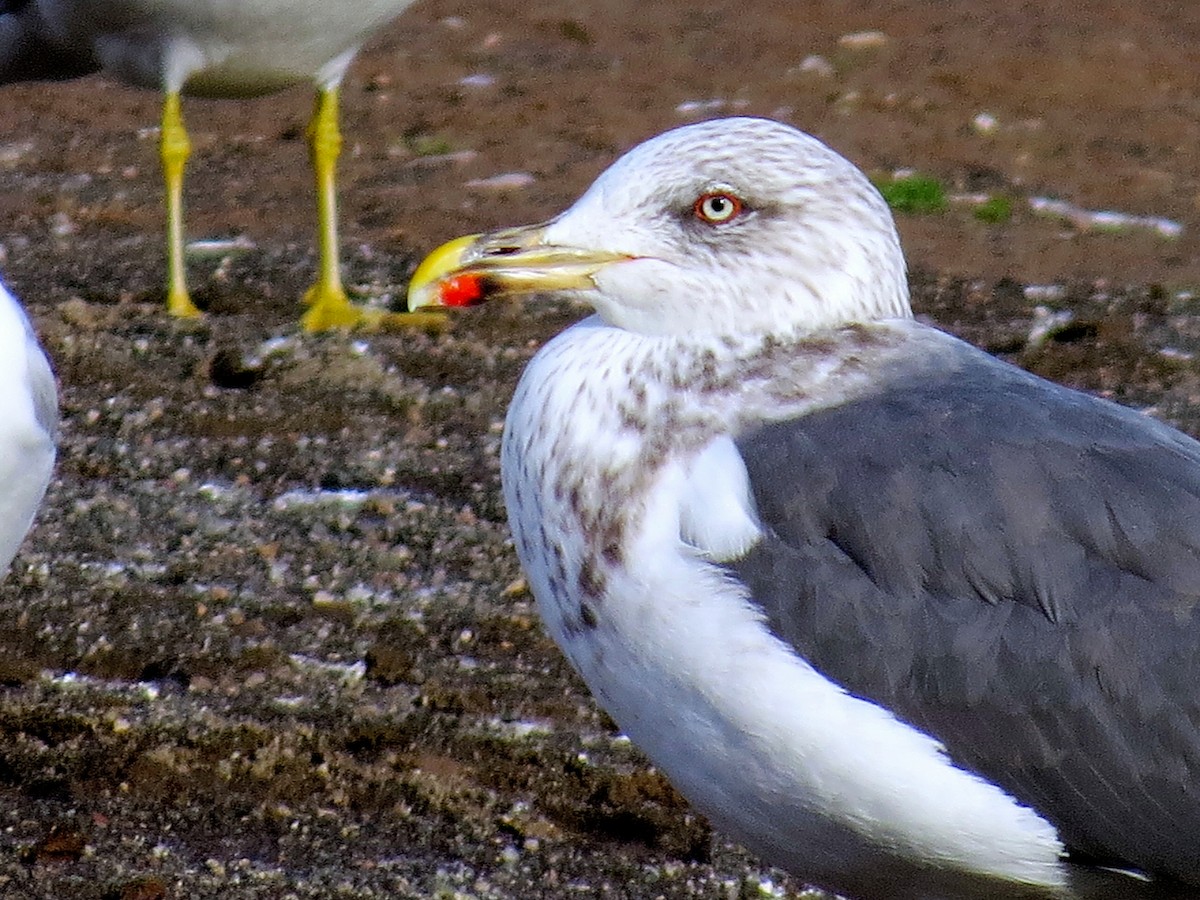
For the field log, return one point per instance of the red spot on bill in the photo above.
(461, 290)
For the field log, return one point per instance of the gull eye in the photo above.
(717, 207)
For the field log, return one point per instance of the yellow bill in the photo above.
(476, 268)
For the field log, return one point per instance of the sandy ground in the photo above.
(268, 638)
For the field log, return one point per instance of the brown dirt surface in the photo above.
(268, 638)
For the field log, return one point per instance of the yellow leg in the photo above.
(328, 305)
(174, 149)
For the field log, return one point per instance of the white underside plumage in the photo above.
(791, 764)
(215, 47)
(28, 424)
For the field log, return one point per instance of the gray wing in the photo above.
(29, 51)
(1013, 568)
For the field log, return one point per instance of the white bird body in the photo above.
(28, 426)
(814, 778)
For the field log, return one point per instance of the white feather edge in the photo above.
(716, 511)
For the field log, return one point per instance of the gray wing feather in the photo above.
(1014, 568)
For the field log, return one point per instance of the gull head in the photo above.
(738, 226)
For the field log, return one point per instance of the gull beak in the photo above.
(471, 270)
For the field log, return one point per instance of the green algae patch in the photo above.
(995, 210)
(915, 193)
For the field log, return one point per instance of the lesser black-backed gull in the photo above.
(28, 426)
(907, 620)
(210, 48)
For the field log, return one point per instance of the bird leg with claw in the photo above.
(328, 305)
(175, 147)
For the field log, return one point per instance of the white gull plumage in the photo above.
(906, 620)
(28, 426)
